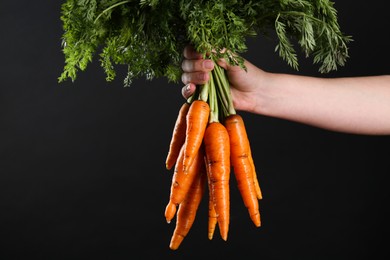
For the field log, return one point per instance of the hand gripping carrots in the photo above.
(209, 139)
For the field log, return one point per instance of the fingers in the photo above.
(188, 90)
(190, 53)
(191, 65)
(195, 68)
(197, 78)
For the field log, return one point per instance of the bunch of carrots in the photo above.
(208, 140)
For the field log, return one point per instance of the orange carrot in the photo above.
(255, 180)
(187, 209)
(181, 182)
(212, 223)
(197, 119)
(213, 219)
(178, 136)
(217, 150)
(243, 170)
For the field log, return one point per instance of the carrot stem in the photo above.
(214, 112)
(221, 95)
(224, 89)
(204, 92)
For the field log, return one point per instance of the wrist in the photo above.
(261, 95)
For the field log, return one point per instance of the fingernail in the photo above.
(187, 87)
(208, 64)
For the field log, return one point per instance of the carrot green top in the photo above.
(148, 36)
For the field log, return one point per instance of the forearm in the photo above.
(355, 105)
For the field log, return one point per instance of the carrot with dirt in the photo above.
(197, 119)
(181, 182)
(178, 136)
(242, 165)
(188, 208)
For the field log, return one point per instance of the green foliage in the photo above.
(148, 36)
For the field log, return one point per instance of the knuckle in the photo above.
(184, 78)
(187, 66)
(187, 52)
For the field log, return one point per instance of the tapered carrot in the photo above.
(217, 150)
(181, 182)
(187, 209)
(255, 179)
(242, 166)
(178, 136)
(212, 220)
(197, 119)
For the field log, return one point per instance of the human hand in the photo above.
(243, 83)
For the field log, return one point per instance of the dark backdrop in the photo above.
(82, 164)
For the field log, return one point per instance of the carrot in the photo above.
(212, 214)
(213, 219)
(197, 119)
(217, 150)
(187, 209)
(259, 194)
(178, 136)
(242, 166)
(181, 182)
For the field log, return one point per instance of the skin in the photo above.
(356, 105)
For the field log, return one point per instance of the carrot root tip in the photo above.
(170, 211)
(256, 220)
(176, 241)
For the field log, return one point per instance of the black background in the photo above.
(82, 164)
